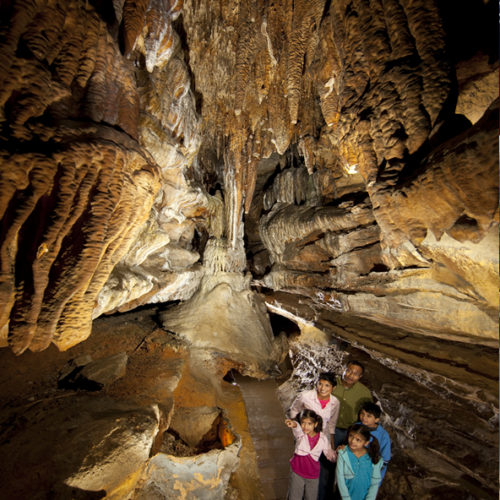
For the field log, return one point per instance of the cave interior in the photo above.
(201, 196)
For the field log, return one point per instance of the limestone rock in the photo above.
(135, 116)
(94, 444)
(478, 87)
(345, 152)
(217, 318)
(193, 423)
(202, 476)
(121, 443)
(98, 373)
(74, 364)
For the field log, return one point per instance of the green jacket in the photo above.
(351, 401)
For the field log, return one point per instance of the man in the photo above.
(352, 394)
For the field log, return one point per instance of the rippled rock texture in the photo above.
(121, 121)
(343, 154)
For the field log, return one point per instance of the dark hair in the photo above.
(318, 421)
(329, 377)
(371, 408)
(374, 446)
(357, 363)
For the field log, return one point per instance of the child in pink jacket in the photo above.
(310, 443)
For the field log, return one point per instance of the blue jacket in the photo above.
(354, 486)
(385, 446)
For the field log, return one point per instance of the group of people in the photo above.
(341, 449)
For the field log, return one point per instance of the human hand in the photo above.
(290, 423)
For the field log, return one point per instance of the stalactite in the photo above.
(306, 19)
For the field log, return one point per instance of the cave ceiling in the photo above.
(342, 151)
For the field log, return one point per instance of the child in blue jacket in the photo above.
(369, 415)
(358, 465)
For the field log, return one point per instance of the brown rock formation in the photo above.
(343, 152)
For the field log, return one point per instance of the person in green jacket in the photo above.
(352, 394)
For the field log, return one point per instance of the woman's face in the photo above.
(324, 389)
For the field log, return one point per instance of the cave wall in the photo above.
(92, 147)
(337, 157)
(351, 139)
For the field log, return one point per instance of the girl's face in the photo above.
(324, 389)
(356, 442)
(308, 426)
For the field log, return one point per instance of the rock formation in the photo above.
(333, 161)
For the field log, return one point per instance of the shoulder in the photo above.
(379, 431)
(334, 400)
(304, 395)
(362, 389)
(382, 430)
(384, 435)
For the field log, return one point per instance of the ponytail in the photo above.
(374, 450)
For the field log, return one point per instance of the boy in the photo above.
(369, 415)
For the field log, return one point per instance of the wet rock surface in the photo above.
(83, 373)
(341, 158)
(125, 439)
(341, 141)
(178, 412)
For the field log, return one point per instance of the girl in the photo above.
(358, 467)
(310, 442)
(326, 405)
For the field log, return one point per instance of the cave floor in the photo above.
(161, 370)
(272, 440)
(29, 391)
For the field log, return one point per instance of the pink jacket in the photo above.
(309, 400)
(302, 445)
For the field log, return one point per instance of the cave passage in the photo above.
(273, 441)
(196, 188)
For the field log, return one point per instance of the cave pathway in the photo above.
(273, 441)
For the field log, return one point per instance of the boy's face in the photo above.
(368, 419)
(324, 389)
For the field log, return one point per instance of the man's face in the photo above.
(368, 419)
(352, 374)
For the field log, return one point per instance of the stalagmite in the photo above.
(214, 189)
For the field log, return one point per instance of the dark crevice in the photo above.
(178, 26)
